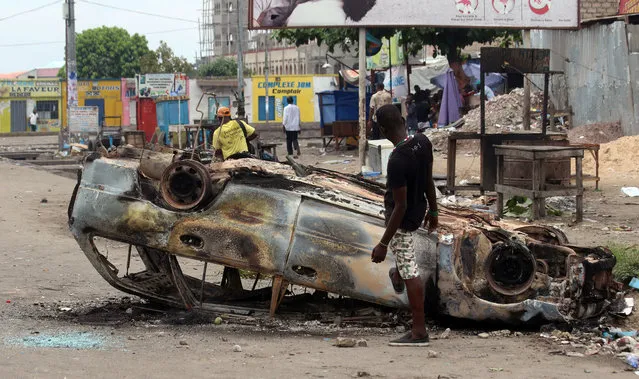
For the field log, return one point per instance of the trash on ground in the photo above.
(630, 191)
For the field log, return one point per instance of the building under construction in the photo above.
(220, 25)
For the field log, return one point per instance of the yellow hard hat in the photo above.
(224, 112)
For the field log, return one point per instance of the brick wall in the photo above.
(598, 8)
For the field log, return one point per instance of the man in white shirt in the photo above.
(378, 100)
(33, 121)
(291, 123)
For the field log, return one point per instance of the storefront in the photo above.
(106, 95)
(302, 88)
(18, 98)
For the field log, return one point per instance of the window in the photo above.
(47, 110)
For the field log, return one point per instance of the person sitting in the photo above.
(231, 139)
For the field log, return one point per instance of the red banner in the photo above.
(628, 6)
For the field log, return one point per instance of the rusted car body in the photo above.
(317, 229)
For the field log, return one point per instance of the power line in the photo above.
(139, 12)
(32, 44)
(30, 10)
(169, 31)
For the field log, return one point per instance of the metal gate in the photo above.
(18, 116)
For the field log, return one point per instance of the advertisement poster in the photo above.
(523, 14)
(84, 119)
(161, 85)
(399, 86)
(29, 88)
(390, 51)
(628, 6)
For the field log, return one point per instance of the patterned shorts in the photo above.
(403, 247)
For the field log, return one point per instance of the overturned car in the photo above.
(316, 228)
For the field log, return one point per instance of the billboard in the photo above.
(521, 14)
(161, 85)
(628, 6)
(84, 119)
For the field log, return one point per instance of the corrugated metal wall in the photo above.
(598, 66)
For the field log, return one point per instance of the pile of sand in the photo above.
(617, 157)
(596, 133)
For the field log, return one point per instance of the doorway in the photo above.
(18, 116)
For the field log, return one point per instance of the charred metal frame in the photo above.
(317, 231)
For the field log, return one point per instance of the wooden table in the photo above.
(537, 155)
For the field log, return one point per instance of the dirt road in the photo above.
(46, 280)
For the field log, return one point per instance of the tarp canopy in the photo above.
(472, 68)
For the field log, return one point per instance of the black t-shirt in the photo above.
(408, 166)
(423, 111)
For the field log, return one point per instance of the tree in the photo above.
(446, 41)
(221, 67)
(109, 52)
(163, 60)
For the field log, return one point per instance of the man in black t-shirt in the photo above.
(410, 191)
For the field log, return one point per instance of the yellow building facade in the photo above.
(300, 87)
(106, 94)
(19, 97)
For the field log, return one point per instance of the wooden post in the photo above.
(482, 102)
(535, 187)
(580, 189)
(500, 180)
(544, 108)
(542, 187)
(451, 161)
(526, 114)
(362, 97)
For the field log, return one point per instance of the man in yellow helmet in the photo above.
(232, 137)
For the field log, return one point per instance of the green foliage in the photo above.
(109, 52)
(517, 206)
(221, 67)
(447, 41)
(62, 73)
(163, 60)
(627, 266)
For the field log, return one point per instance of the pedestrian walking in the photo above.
(33, 121)
(378, 100)
(291, 124)
(410, 191)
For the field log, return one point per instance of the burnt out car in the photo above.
(315, 228)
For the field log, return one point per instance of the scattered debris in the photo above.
(503, 114)
(218, 321)
(445, 334)
(44, 201)
(362, 343)
(363, 374)
(184, 343)
(237, 348)
(432, 354)
(495, 369)
(574, 354)
(483, 335)
(630, 191)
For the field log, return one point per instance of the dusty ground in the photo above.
(43, 272)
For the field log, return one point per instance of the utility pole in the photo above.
(362, 97)
(71, 64)
(266, 70)
(241, 113)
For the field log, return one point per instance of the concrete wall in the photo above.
(597, 83)
(591, 9)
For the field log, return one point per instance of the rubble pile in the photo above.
(614, 157)
(608, 341)
(503, 113)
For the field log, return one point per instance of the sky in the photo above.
(41, 33)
